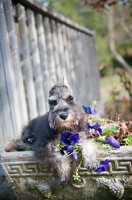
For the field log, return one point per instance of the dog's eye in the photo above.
(53, 102)
(70, 98)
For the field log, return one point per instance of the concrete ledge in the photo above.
(31, 180)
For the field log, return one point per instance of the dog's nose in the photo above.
(63, 116)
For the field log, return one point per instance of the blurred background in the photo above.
(112, 22)
(21, 88)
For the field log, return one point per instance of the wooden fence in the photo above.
(35, 45)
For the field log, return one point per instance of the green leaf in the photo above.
(66, 154)
(77, 177)
(99, 139)
(59, 146)
(107, 146)
(94, 103)
(128, 140)
(97, 119)
(110, 129)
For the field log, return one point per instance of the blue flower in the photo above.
(89, 110)
(68, 138)
(103, 165)
(69, 151)
(90, 125)
(96, 126)
(113, 142)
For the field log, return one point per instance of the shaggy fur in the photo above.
(43, 133)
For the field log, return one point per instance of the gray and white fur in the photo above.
(43, 133)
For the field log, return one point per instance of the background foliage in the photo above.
(95, 15)
(82, 13)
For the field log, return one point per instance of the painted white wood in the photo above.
(6, 126)
(71, 68)
(52, 46)
(96, 70)
(79, 67)
(61, 50)
(29, 82)
(87, 67)
(56, 51)
(92, 70)
(43, 55)
(56, 16)
(49, 47)
(15, 60)
(66, 53)
(89, 71)
(36, 63)
(9, 74)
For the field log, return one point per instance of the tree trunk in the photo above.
(118, 57)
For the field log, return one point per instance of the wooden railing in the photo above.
(35, 45)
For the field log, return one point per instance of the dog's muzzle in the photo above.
(63, 115)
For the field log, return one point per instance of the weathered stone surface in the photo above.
(31, 180)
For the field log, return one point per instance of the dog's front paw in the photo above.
(91, 164)
(64, 180)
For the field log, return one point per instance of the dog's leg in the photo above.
(26, 139)
(27, 135)
(20, 144)
(62, 165)
(89, 153)
(54, 159)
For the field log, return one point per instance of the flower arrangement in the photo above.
(69, 146)
(109, 134)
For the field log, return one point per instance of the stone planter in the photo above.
(32, 181)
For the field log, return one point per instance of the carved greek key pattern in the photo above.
(117, 166)
(26, 168)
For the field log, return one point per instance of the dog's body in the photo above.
(43, 133)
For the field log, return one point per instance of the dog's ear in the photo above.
(65, 82)
(51, 84)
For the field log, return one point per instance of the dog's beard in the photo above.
(59, 124)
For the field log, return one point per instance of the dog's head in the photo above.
(64, 114)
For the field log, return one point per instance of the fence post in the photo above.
(49, 45)
(43, 55)
(16, 61)
(5, 111)
(36, 64)
(9, 75)
(56, 50)
(29, 83)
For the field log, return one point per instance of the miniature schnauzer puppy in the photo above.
(43, 133)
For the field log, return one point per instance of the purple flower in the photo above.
(96, 126)
(113, 142)
(103, 165)
(68, 138)
(89, 110)
(69, 151)
(90, 125)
